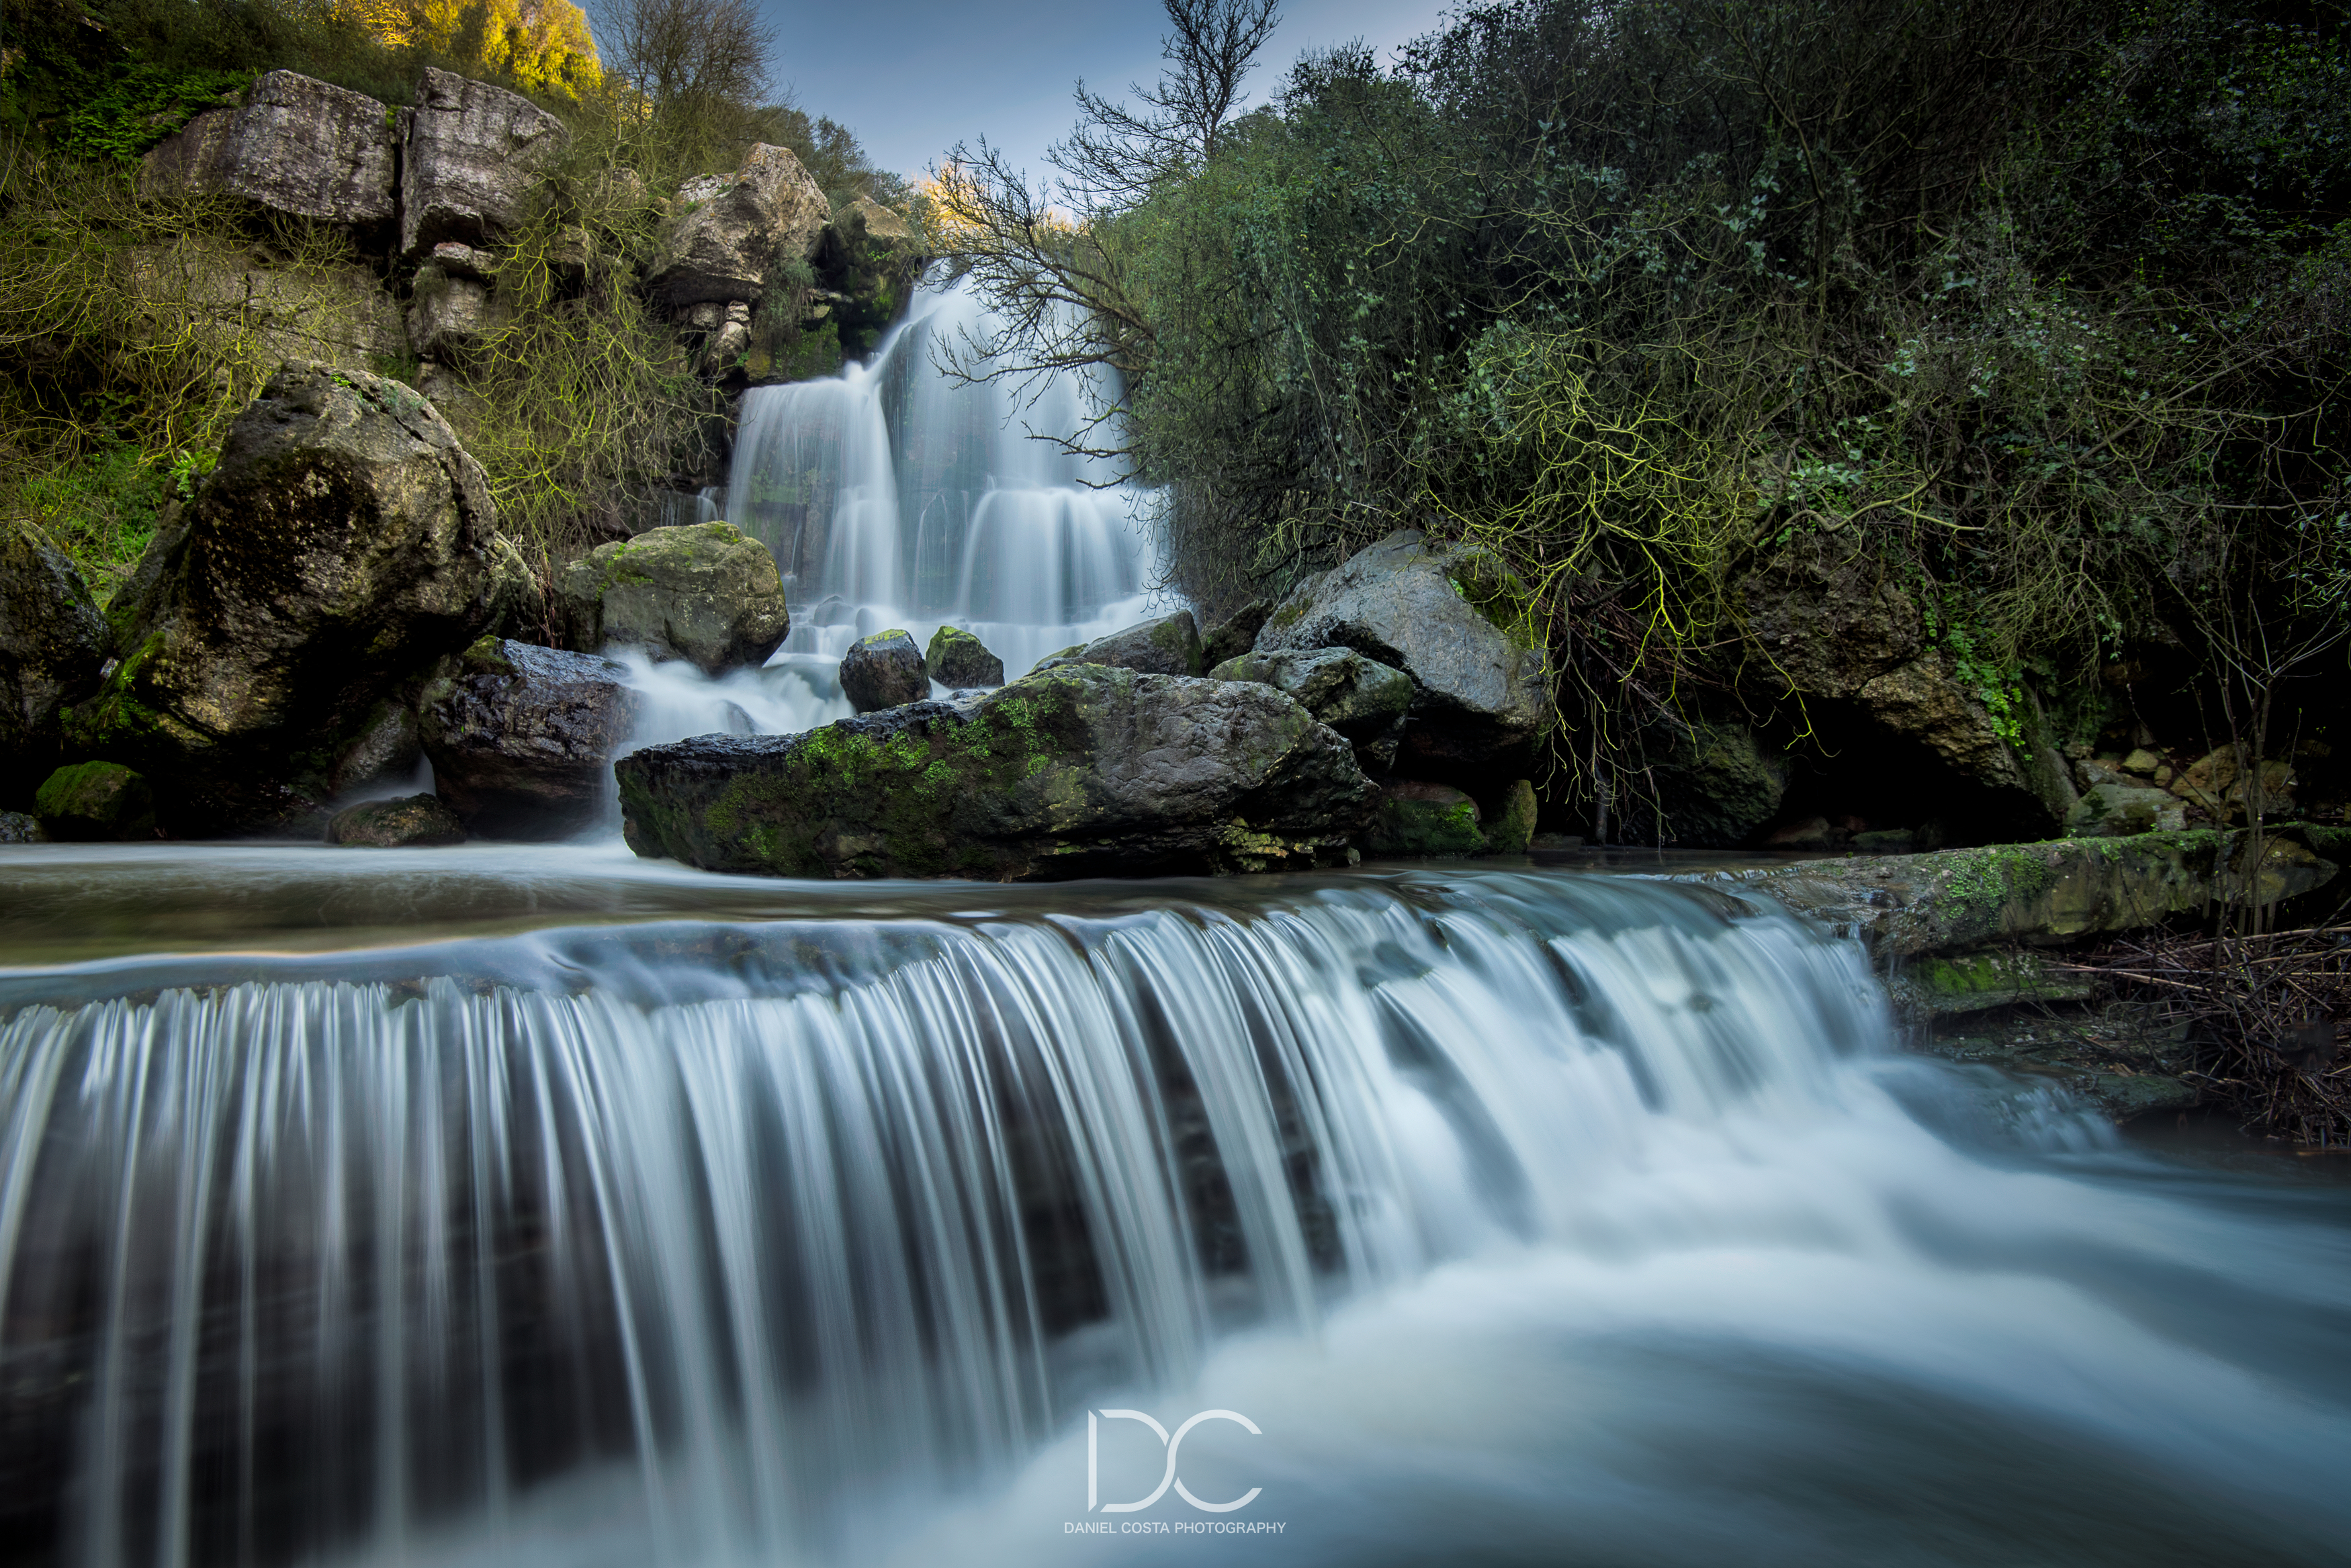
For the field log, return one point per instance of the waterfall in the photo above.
(707, 1242)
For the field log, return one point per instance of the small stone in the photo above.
(704, 316)
(884, 670)
(95, 802)
(2141, 762)
(412, 821)
(961, 660)
(15, 828)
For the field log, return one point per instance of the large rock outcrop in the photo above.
(734, 242)
(1078, 772)
(521, 737)
(53, 645)
(1362, 698)
(1481, 694)
(297, 145)
(344, 542)
(472, 154)
(702, 593)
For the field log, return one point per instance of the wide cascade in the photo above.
(831, 1236)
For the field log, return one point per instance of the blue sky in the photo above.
(912, 77)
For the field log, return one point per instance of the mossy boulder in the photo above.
(95, 802)
(1166, 645)
(1080, 772)
(883, 670)
(702, 592)
(1513, 826)
(956, 659)
(1415, 817)
(413, 821)
(1361, 698)
(1455, 621)
(54, 644)
(344, 542)
(1718, 784)
(521, 737)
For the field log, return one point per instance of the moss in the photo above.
(1516, 825)
(1986, 881)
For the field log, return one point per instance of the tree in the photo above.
(698, 70)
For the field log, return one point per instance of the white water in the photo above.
(1530, 1219)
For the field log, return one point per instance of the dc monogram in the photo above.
(1173, 1442)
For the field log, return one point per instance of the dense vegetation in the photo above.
(2041, 302)
(133, 327)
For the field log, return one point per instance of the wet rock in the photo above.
(1236, 634)
(53, 645)
(95, 802)
(2114, 811)
(883, 670)
(388, 747)
(297, 145)
(413, 821)
(19, 827)
(1448, 617)
(1718, 785)
(1416, 817)
(1362, 698)
(703, 592)
(1085, 771)
(1167, 645)
(961, 660)
(344, 542)
(522, 737)
(731, 244)
(1513, 828)
(472, 154)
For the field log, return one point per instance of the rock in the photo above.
(1236, 634)
(2142, 762)
(1513, 828)
(1480, 691)
(54, 644)
(2214, 782)
(388, 747)
(883, 670)
(1887, 841)
(448, 317)
(16, 827)
(1415, 817)
(1828, 617)
(298, 146)
(1718, 785)
(1168, 645)
(1085, 771)
(416, 820)
(2116, 811)
(702, 592)
(472, 154)
(1920, 700)
(729, 245)
(1362, 698)
(343, 544)
(460, 260)
(961, 660)
(332, 313)
(521, 737)
(95, 802)
(1807, 833)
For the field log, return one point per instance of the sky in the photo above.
(912, 77)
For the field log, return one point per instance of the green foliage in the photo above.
(143, 105)
(101, 509)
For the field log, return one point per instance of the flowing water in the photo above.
(496, 1205)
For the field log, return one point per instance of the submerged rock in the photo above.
(472, 154)
(54, 644)
(1416, 817)
(959, 659)
(883, 670)
(702, 593)
(1362, 698)
(412, 821)
(1166, 645)
(343, 544)
(297, 145)
(1085, 770)
(521, 737)
(1480, 691)
(735, 236)
(95, 802)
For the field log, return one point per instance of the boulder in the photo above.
(522, 737)
(1718, 785)
(95, 802)
(730, 245)
(472, 154)
(343, 544)
(1481, 693)
(2217, 784)
(1513, 828)
(18, 827)
(1362, 698)
(1416, 817)
(702, 592)
(411, 821)
(1167, 645)
(2114, 811)
(883, 670)
(958, 659)
(298, 146)
(1236, 634)
(54, 644)
(1085, 771)
(448, 317)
